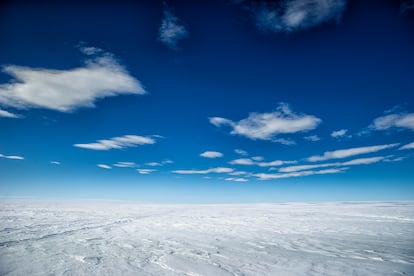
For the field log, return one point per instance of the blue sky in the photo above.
(207, 101)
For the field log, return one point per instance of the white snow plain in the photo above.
(119, 238)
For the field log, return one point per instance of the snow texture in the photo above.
(120, 238)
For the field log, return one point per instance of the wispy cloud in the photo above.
(236, 179)
(400, 120)
(7, 114)
(292, 15)
(258, 158)
(211, 154)
(171, 30)
(211, 170)
(55, 162)
(344, 153)
(242, 161)
(103, 166)
(121, 142)
(359, 161)
(407, 146)
(270, 176)
(266, 126)
(339, 133)
(241, 152)
(312, 138)
(66, 90)
(249, 162)
(159, 164)
(125, 165)
(15, 157)
(145, 171)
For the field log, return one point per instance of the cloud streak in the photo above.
(121, 142)
(7, 114)
(103, 166)
(269, 176)
(171, 30)
(265, 126)
(211, 170)
(293, 15)
(211, 154)
(344, 153)
(401, 120)
(67, 90)
(14, 157)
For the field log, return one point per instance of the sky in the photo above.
(207, 101)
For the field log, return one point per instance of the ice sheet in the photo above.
(119, 238)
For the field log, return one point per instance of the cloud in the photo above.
(67, 90)
(145, 171)
(236, 173)
(401, 120)
(121, 142)
(265, 126)
(242, 161)
(292, 15)
(339, 133)
(248, 162)
(171, 30)
(103, 166)
(258, 158)
(211, 154)
(359, 161)
(241, 152)
(125, 165)
(269, 176)
(408, 146)
(343, 153)
(7, 114)
(55, 162)
(212, 170)
(14, 157)
(236, 179)
(312, 138)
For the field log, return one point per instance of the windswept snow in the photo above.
(97, 238)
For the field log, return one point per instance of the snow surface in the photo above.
(98, 238)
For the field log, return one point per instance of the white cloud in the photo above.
(248, 161)
(153, 164)
(359, 161)
(145, 171)
(241, 152)
(401, 120)
(125, 165)
(15, 157)
(212, 170)
(408, 146)
(121, 142)
(66, 90)
(258, 158)
(55, 162)
(211, 154)
(269, 176)
(284, 141)
(339, 133)
(103, 166)
(7, 114)
(236, 173)
(171, 30)
(236, 179)
(266, 126)
(242, 161)
(292, 15)
(313, 138)
(343, 153)
(363, 161)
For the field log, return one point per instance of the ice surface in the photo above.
(97, 238)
